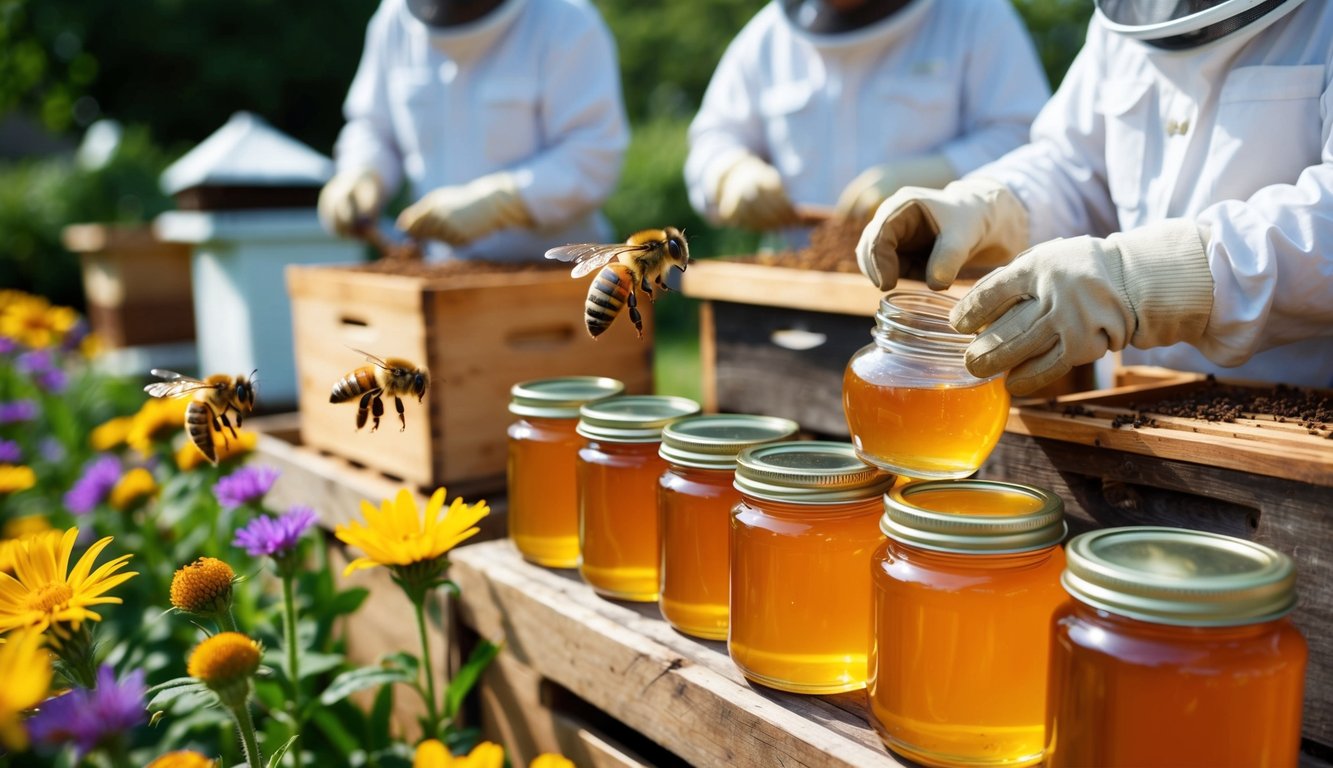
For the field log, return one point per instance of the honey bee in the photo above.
(394, 376)
(207, 412)
(645, 256)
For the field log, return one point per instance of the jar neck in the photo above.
(612, 448)
(562, 425)
(987, 560)
(901, 336)
(701, 475)
(873, 505)
(1126, 625)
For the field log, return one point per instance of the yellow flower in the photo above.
(431, 753)
(134, 486)
(34, 322)
(203, 587)
(225, 662)
(551, 760)
(26, 525)
(16, 477)
(43, 591)
(111, 433)
(155, 416)
(183, 759)
(397, 534)
(25, 666)
(188, 456)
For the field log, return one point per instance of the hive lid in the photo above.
(247, 151)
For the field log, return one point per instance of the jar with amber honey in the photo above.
(1175, 650)
(543, 446)
(965, 587)
(912, 407)
(617, 472)
(801, 540)
(694, 498)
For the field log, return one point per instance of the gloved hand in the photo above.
(461, 214)
(862, 196)
(750, 195)
(971, 220)
(350, 199)
(1067, 302)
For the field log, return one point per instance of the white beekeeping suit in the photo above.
(1187, 161)
(804, 110)
(506, 123)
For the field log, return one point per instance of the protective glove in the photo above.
(461, 214)
(862, 196)
(349, 200)
(750, 195)
(1067, 302)
(969, 221)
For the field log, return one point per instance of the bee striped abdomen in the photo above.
(354, 384)
(606, 297)
(199, 426)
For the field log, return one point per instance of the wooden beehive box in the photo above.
(478, 328)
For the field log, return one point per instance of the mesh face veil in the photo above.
(1185, 24)
(831, 17)
(443, 14)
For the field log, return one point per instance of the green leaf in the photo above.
(354, 680)
(313, 664)
(163, 698)
(467, 676)
(275, 759)
(334, 730)
(381, 712)
(347, 601)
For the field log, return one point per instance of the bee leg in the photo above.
(363, 409)
(228, 425)
(662, 284)
(634, 315)
(398, 403)
(216, 423)
(646, 288)
(376, 411)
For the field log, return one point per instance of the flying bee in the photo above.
(394, 376)
(207, 411)
(626, 266)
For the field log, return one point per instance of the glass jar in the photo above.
(1174, 651)
(617, 469)
(543, 446)
(911, 405)
(965, 587)
(801, 540)
(694, 498)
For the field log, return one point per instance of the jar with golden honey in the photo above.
(1175, 650)
(617, 472)
(694, 498)
(801, 540)
(965, 587)
(911, 405)
(543, 446)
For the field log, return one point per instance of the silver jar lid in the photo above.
(632, 418)
(560, 398)
(1179, 577)
(713, 441)
(983, 517)
(809, 472)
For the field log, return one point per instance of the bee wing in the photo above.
(590, 256)
(173, 384)
(371, 358)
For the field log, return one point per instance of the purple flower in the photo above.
(245, 485)
(99, 477)
(51, 449)
(15, 411)
(54, 381)
(274, 536)
(10, 452)
(8, 344)
(90, 718)
(35, 361)
(75, 336)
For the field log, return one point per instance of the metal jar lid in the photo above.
(632, 418)
(560, 398)
(1179, 577)
(808, 472)
(713, 441)
(983, 517)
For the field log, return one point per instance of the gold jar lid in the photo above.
(808, 472)
(632, 418)
(1179, 577)
(983, 517)
(560, 398)
(713, 441)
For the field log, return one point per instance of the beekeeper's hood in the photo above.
(833, 24)
(1183, 24)
(465, 28)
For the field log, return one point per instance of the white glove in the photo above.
(459, 215)
(750, 195)
(350, 200)
(862, 196)
(971, 220)
(1066, 302)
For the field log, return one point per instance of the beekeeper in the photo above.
(841, 102)
(504, 117)
(1187, 163)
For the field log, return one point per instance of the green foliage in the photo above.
(1057, 28)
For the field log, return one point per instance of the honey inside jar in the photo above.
(696, 551)
(618, 532)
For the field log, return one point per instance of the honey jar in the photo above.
(1175, 650)
(543, 446)
(694, 498)
(911, 405)
(801, 540)
(617, 472)
(964, 589)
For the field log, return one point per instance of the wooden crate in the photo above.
(1259, 480)
(477, 333)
